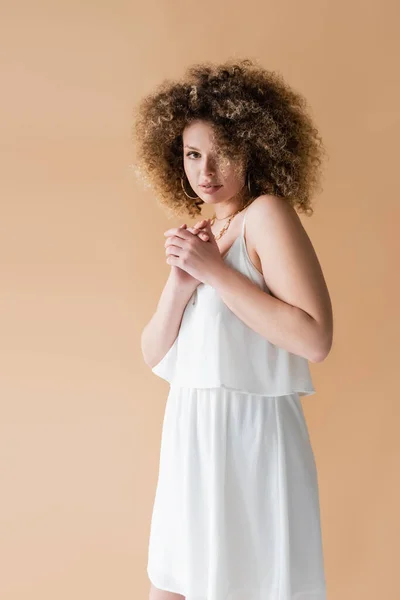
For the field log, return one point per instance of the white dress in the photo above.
(236, 512)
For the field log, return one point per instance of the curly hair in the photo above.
(257, 117)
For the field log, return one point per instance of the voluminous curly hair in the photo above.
(256, 116)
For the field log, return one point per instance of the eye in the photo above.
(191, 152)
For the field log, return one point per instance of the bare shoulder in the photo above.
(269, 206)
(290, 265)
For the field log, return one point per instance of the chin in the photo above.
(212, 198)
(208, 200)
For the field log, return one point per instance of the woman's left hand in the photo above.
(201, 259)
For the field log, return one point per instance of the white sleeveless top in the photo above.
(214, 348)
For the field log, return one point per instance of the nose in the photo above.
(208, 166)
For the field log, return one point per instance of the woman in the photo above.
(236, 512)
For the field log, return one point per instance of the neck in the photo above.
(226, 210)
(223, 210)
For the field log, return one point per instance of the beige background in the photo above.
(83, 264)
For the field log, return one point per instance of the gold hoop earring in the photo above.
(248, 183)
(186, 194)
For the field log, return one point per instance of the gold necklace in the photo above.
(225, 227)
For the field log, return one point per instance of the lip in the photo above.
(210, 187)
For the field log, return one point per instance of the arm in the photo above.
(161, 331)
(298, 316)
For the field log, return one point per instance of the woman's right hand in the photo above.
(181, 277)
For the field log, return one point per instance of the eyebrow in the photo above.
(192, 147)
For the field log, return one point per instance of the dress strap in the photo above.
(243, 222)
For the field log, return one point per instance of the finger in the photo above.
(197, 231)
(172, 242)
(173, 261)
(208, 227)
(175, 228)
(200, 224)
(177, 241)
(179, 232)
(173, 250)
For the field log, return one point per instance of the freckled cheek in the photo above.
(231, 182)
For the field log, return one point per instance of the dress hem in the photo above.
(162, 587)
(312, 594)
(302, 392)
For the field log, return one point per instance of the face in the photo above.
(202, 166)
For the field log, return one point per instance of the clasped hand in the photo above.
(195, 251)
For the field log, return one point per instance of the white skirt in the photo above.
(236, 514)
